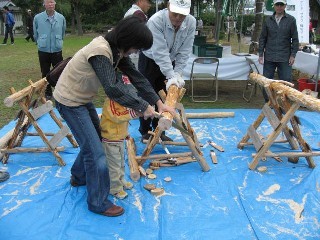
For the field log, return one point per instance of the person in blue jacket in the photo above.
(49, 29)
(9, 23)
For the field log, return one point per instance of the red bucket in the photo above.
(306, 83)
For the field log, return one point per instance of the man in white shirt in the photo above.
(173, 31)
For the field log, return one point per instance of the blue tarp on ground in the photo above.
(228, 202)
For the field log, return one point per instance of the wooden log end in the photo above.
(164, 123)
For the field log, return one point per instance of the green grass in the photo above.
(19, 63)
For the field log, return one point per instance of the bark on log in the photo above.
(9, 101)
(294, 95)
(165, 122)
(133, 165)
(209, 115)
(36, 150)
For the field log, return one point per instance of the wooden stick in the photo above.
(133, 165)
(250, 143)
(290, 154)
(209, 115)
(163, 156)
(172, 143)
(25, 150)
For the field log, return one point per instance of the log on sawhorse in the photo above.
(33, 105)
(284, 101)
(172, 99)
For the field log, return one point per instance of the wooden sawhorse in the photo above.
(172, 99)
(284, 101)
(33, 105)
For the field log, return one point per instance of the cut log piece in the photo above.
(9, 101)
(294, 95)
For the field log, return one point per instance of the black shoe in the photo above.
(4, 176)
(145, 136)
(27, 39)
(73, 183)
(165, 138)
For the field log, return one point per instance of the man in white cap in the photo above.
(278, 43)
(173, 31)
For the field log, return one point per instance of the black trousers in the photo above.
(46, 61)
(7, 32)
(151, 71)
(30, 34)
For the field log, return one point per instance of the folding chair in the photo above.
(204, 68)
(250, 85)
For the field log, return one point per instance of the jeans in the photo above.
(283, 69)
(90, 166)
(8, 31)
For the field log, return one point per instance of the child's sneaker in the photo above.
(127, 185)
(120, 195)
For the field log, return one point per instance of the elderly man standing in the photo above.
(278, 43)
(49, 30)
(173, 31)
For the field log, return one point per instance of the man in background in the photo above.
(49, 30)
(9, 23)
(173, 31)
(278, 43)
(139, 8)
(29, 26)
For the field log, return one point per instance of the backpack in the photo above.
(54, 74)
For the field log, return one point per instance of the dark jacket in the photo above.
(30, 21)
(278, 43)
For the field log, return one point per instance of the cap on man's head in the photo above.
(180, 6)
(29, 10)
(279, 1)
(6, 8)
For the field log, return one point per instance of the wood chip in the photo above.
(157, 191)
(149, 171)
(262, 169)
(152, 176)
(149, 187)
(142, 171)
(167, 179)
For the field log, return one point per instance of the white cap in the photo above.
(180, 6)
(279, 1)
(29, 10)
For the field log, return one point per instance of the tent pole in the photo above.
(318, 70)
(241, 24)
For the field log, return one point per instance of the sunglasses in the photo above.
(279, 4)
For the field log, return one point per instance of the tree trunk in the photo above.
(78, 18)
(218, 6)
(254, 45)
(258, 21)
(73, 21)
